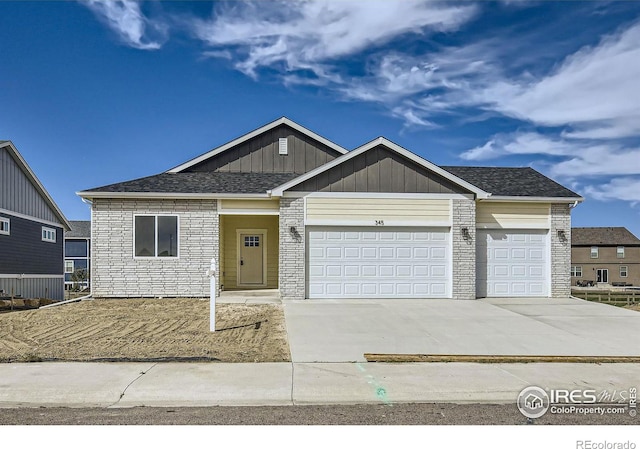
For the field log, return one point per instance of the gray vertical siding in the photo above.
(51, 288)
(260, 155)
(379, 170)
(18, 194)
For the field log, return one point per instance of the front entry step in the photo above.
(259, 296)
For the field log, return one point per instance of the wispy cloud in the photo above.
(132, 26)
(594, 91)
(626, 189)
(303, 34)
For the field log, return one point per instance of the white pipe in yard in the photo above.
(211, 272)
(82, 298)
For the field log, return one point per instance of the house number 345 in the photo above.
(379, 222)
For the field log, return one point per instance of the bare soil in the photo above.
(145, 330)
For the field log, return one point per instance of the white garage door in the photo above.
(378, 263)
(512, 263)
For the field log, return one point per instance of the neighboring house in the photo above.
(31, 232)
(605, 256)
(77, 253)
(284, 208)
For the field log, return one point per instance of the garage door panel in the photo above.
(512, 263)
(397, 262)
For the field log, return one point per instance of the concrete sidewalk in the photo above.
(211, 384)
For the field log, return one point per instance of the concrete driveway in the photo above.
(343, 330)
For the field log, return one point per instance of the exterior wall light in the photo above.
(465, 234)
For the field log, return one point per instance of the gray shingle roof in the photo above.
(617, 236)
(509, 181)
(201, 182)
(79, 229)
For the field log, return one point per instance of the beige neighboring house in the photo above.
(284, 208)
(605, 257)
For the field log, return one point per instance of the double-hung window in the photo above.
(5, 226)
(576, 271)
(156, 236)
(624, 271)
(620, 252)
(594, 252)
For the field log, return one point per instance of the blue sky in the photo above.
(95, 92)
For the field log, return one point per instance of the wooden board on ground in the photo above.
(448, 358)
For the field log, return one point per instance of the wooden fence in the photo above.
(619, 298)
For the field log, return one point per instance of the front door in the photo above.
(602, 275)
(251, 260)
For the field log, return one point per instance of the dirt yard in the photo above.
(145, 330)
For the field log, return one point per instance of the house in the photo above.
(77, 254)
(284, 208)
(604, 256)
(31, 232)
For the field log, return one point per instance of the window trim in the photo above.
(7, 222)
(596, 252)
(155, 222)
(45, 238)
(626, 271)
(574, 271)
(620, 252)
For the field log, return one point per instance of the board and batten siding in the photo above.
(378, 170)
(260, 155)
(17, 192)
(229, 247)
(513, 215)
(380, 211)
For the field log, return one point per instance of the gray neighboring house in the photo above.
(31, 232)
(77, 253)
(284, 208)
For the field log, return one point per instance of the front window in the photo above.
(68, 266)
(156, 236)
(5, 226)
(620, 252)
(75, 248)
(48, 235)
(576, 271)
(594, 252)
(623, 271)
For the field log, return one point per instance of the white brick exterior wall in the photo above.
(560, 251)
(292, 249)
(116, 273)
(464, 251)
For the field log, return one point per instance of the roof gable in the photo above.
(257, 152)
(380, 166)
(33, 199)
